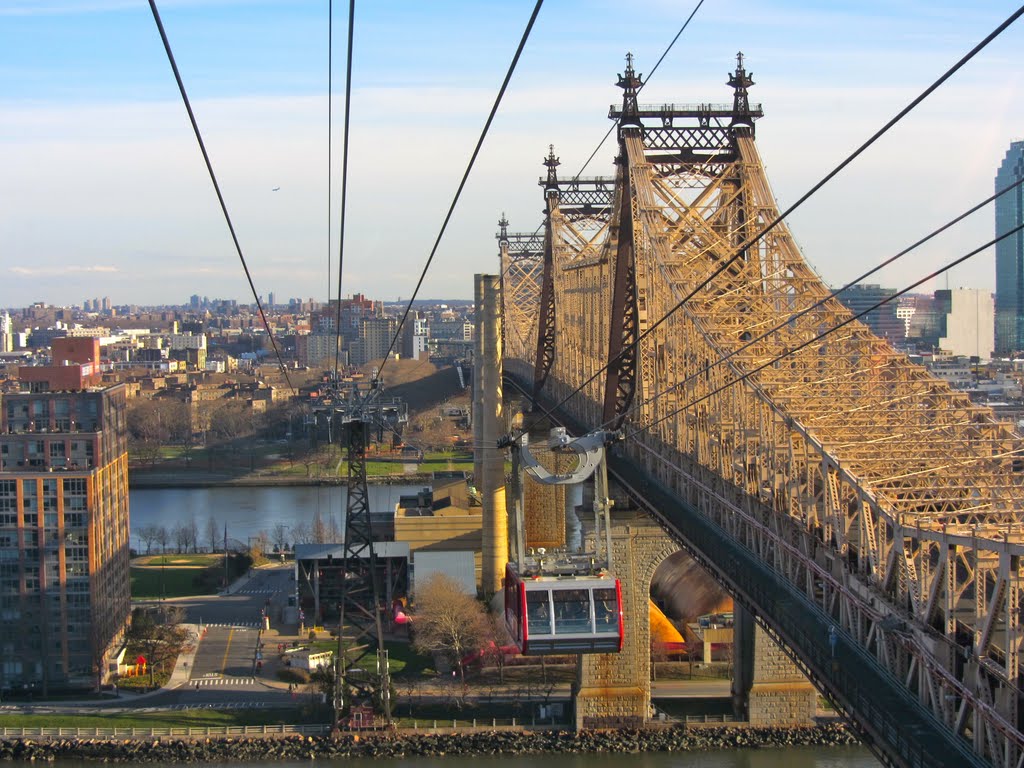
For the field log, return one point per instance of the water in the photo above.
(248, 510)
(795, 757)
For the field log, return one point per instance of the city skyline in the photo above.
(106, 193)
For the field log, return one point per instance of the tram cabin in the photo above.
(563, 614)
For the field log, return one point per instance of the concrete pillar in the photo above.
(768, 688)
(491, 459)
(478, 359)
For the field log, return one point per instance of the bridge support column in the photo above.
(614, 689)
(767, 687)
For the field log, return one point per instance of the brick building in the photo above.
(64, 562)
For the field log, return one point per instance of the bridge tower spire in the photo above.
(739, 81)
(630, 83)
(502, 229)
(552, 164)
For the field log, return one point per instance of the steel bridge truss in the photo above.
(889, 500)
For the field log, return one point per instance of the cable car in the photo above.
(563, 614)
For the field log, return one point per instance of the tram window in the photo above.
(572, 611)
(538, 613)
(605, 614)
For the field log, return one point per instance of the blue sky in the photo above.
(104, 191)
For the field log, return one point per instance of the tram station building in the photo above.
(64, 561)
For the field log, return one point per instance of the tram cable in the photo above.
(462, 184)
(821, 302)
(216, 187)
(330, 132)
(830, 331)
(344, 181)
(743, 247)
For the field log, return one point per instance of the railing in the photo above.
(130, 733)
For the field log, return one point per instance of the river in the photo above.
(247, 510)
(795, 757)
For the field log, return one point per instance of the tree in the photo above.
(157, 633)
(212, 533)
(147, 429)
(280, 537)
(301, 534)
(163, 537)
(319, 530)
(448, 622)
(150, 535)
(181, 537)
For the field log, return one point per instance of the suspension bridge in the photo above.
(865, 514)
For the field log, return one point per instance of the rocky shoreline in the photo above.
(251, 749)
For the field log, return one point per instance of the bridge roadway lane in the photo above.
(889, 717)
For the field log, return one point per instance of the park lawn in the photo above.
(166, 582)
(186, 718)
(194, 560)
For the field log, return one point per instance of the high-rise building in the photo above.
(64, 571)
(6, 333)
(966, 323)
(883, 321)
(1010, 254)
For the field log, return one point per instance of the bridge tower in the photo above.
(834, 487)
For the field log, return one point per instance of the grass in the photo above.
(166, 582)
(187, 718)
(196, 560)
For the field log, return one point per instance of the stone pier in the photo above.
(614, 689)
(768, 689)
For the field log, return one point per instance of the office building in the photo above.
(64, 561)
(882, 320)
(966, 322)
(1010, 254)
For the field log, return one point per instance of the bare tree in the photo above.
(181, 537)
(163, 537)
(448, 622)
(150, 535)
(280, 537)
(212, 533)
(301, 534)
(333, 529)
(319, 531)
(192, 531)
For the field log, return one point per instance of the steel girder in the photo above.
(890, 500)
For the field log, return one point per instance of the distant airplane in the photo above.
(275, 189)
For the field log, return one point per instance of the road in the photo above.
(222, 676)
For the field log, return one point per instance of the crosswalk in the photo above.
(239, 625)
(212, 681)
(256, 591)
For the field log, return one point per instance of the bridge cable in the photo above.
(462, 184)
(344, 181)
(830, 331)
(835, 293)
(743, 247)
(216, 187)
(614, 125)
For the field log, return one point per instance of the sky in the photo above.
(103, 191)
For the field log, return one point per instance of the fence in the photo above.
(129, 733)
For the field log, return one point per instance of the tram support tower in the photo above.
(362, 681)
